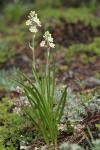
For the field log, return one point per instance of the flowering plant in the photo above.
(41, 93)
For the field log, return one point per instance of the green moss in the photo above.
(63, 68)
(13, 129)
(71, 15)
(85, 59)
(6, 51)
(13, 12)
(92, 48)
(17, 38)
(97, 75)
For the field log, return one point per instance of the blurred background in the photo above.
(75, 27)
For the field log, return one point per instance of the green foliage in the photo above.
(45, 3)
(6, 52)
(93, 4)
(13, 14)
(6, 105)
(13, 127)
(41, 98)
(94, 144)
(71, 15)
(16, 38)
(6, 81)
(97, 75)
(80, 83)
(77, 106)
(66, 3)
(98, 126)
(14, 11)
(85, 59)
(67, 146)
(93, 48)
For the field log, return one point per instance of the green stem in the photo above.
(33, 51)
(48, 60)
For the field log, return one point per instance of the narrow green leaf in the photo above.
(61, 106)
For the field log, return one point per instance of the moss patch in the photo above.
(93, 48)
(71, 15)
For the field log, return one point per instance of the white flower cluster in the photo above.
(33, 22)
(48, 40)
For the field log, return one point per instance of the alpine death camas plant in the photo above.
(40, 93)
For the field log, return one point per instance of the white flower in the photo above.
(42, 44)
(36, 20)
(32, 13)
(28, 22)
(33, 29)
(48, 40)
(33, 22)
(52, 45)
(46, 34)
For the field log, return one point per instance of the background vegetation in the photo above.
(75, 27)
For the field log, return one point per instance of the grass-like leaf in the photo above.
(41, 98)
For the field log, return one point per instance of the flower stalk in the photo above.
(48, 43)
(48, 60)
(33, 50)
